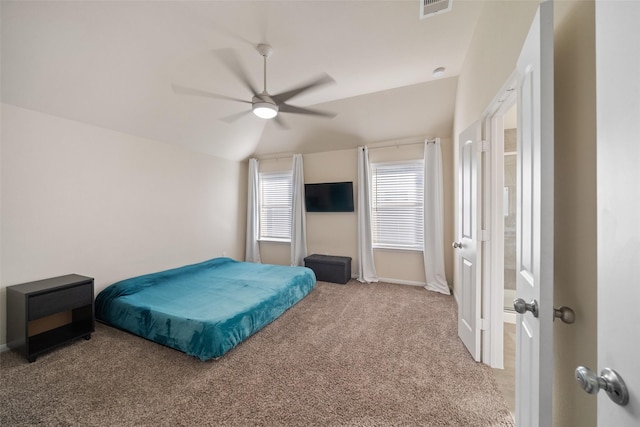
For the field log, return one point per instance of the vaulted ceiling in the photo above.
(115, 64)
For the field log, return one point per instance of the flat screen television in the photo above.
(329, 197)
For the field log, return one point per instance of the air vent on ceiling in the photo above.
(433, 7)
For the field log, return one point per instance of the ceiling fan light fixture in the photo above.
(265, 110)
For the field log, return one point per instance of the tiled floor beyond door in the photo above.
(506, 378)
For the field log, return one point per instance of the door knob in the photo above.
(609, 381)
(565, 314)
(521, 306)
(457, 245)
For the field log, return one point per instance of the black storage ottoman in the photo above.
(328, 268)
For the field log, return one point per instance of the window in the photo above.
(275, 206)
(397, 205)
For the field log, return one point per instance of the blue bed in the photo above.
(204, 309)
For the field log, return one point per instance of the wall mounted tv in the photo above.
(329, 197)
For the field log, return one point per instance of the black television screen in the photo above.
(329, 197)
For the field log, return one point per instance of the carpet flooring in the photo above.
(346, 355)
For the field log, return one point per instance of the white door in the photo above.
(618, 181)
(534, 253)
(467, 249)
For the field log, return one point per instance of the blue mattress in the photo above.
(204, 309)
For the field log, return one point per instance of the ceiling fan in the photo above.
(263, 104)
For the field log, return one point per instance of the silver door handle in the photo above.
(565, 314)
(457, 245)
(609, 381)
(521, 306)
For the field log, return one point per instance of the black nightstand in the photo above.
(46, 313)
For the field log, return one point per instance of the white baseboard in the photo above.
(508, 317)
(3, 348)
(401, 282)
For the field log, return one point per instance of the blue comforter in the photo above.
(204, 309)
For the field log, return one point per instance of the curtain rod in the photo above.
(398, 144)
(276, 156)
(279, 156)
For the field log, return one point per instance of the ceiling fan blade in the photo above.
(320, 81)
(198, 92)
(231, 61)
(233, 35)
(232, 118)
(281, 122)
(286, 108)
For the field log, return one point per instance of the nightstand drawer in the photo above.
(60, 300)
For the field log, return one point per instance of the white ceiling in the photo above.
(113, 64)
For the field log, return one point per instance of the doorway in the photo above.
(509, 182)
(507, 378)
(499, 214)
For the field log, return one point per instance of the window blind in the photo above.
(275, 206)
(398, 205)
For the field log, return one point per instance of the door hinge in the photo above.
(483, 325)
(485, 145)
(484, 236)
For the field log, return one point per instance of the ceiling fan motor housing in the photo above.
(265, 50)
(264, 106)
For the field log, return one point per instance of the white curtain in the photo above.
(433, 219)
(252, 249)
(298, 212)
(366, 269)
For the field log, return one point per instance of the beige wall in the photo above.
(81, 199)
(575, 208)
(336, 233)
(490, 61)
(333, 233)
(491, 57)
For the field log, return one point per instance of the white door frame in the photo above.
(493, 223)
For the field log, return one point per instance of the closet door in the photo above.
(466, 246)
